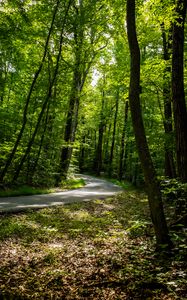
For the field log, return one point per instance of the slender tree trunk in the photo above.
(77, 85)
(128, 163)
(99, 151)
(82, 154)
(72, 120)
(113, 135)
(154, 195)
(48, 97)
(106, 144)
(11, 156)
(3, 79)
(122, 150)
(126, 158)
(99, 156)
(71, 125)
(179, 106)
(32, 170)
(169, 157)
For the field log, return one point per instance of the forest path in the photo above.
(94, 189)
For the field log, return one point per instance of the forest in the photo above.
(98, 87)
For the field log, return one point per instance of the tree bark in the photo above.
(179, 106)
(154, 195)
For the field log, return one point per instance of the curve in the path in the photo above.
(94, 189)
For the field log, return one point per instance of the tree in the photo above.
(154, 195)
(27, 102)
(123, 137)
(86, 40)
(178, 94)
(77, 85)
(99, 150)
(168, 126)
(113, 133)
(48, 96)
(53, 124)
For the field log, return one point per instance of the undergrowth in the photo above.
(71, 183)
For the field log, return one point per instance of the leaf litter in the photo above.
(103, 249)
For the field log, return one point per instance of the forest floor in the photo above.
(101, 249)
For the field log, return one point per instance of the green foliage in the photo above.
(23, 190)
(99, 44)
(175, 192)
(124, 184)
(72, 183)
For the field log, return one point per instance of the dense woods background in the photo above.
(64, 92)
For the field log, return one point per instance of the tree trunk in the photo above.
(122, 150)
(113, 135)
(169, 157)
(82, 154)
(154, 195)
(179, 106)
(79, 77)
(32, 170)
(99, 151)
(106, 153)
(71, 125)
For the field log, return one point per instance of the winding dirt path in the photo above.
(94, 189)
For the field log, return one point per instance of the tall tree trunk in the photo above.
(106, 153)
(113, 135)
(32, 170)
(169, 157)
(99, 150)
(122, 150)
(179, 106)
(82, 154)
(79, 77)
(71, 124)
(48, 97)
(154, 195)
(11, 156)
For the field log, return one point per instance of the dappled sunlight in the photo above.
(80, 215)
(144, 200)
(98, 249)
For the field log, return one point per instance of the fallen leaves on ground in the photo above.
(103, 249)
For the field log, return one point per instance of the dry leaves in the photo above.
(98, 250)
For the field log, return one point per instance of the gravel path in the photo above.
(94, 189)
